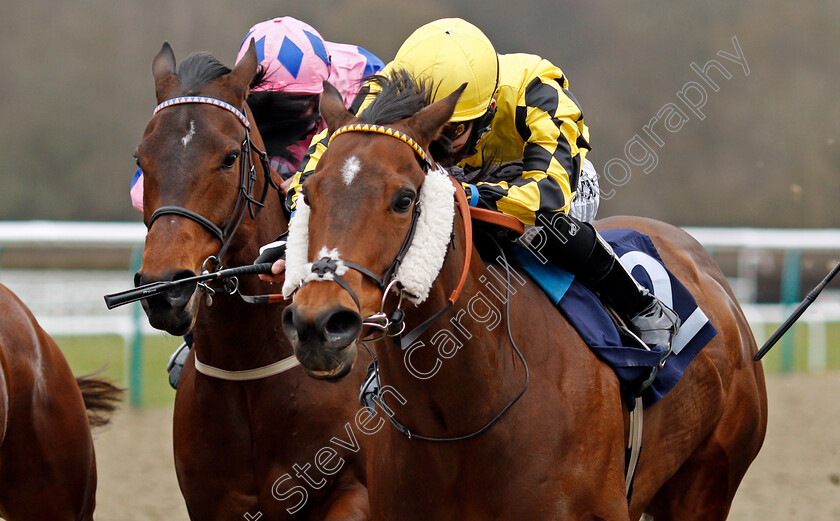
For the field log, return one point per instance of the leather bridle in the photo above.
(393, 324)
(327, 268)
(245, 200)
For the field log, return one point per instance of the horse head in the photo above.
(355, 221)
(204, 174)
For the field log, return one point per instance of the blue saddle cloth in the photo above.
(588, 316)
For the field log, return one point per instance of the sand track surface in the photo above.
(795, 477)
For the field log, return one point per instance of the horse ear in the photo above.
(428, 123)
(163, 68)
(332, 108)
(244, 71)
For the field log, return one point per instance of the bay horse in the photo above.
(47, 462)
(243, 439)
(557, 453)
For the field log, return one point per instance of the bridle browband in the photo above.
(245, 199)
(427, 165)
(204, 99)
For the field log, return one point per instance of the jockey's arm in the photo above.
(307, 167)
(555, 146)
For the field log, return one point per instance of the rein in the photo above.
(372, 379)
(245, 199)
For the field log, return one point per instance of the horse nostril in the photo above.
(295, 327)
(287, 319)
(183, 274)
(342, 321)
(341, 326)
(184, 291)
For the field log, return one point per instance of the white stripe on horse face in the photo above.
(187, 138)
(351, 167)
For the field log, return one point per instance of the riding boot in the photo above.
(655, 323)
(577, 247)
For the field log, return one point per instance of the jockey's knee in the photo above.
(560, 239)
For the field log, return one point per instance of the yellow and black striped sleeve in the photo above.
(550, 122)
(307, 167)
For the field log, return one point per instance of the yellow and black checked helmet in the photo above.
(451, 52)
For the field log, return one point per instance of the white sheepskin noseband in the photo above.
(422, 262)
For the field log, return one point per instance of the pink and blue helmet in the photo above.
(297, 59)
(292, 53)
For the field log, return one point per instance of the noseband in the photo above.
(247, 179)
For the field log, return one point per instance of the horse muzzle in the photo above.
(173, 311)
(324, 342)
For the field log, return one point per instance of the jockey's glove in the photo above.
(273, 251)
(491, 173)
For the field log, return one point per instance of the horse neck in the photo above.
(470, 385)
(231, 333)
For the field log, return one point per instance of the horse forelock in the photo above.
(199, 69)
(401, 95)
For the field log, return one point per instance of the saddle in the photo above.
(646, 371)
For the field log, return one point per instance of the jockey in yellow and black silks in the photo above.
(517, 110)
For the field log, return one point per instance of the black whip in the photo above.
(796, 314)
(156, 288)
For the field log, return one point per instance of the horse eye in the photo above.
(403, 200)
(230, 160)
(136, 159)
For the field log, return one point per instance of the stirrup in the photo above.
(629, 333)
(656, 324)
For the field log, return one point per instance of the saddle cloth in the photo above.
(588, 316)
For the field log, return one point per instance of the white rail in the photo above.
(47, 234)
(52, 234)
(69, 302)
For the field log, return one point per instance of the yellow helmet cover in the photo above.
(451, 52)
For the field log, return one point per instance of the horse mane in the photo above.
(200, 68)
(283, 118)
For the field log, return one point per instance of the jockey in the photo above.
(294, 62)
(518, 107)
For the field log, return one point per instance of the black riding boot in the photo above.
(655, 322)
(576, 247)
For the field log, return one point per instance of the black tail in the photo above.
(101, 398)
